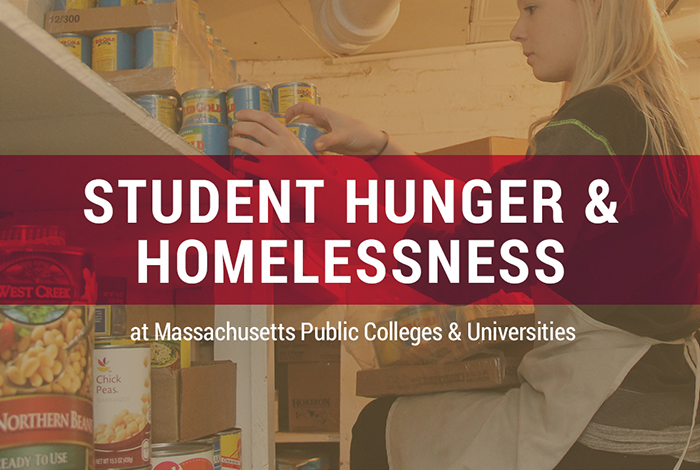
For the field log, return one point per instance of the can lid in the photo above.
(34, 235)
(265, 86)
(166, 450)
(298, 84)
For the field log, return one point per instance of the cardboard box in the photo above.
(474, 374)
(193, 402)
(93, 21)
(307, 351)
(160, 80)
(314, 397)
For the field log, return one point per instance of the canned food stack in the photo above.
(106, 42)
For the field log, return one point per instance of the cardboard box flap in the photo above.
(208, 399)
(165, 399)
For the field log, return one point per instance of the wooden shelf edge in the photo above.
(302, 437)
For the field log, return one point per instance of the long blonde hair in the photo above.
(625, 45)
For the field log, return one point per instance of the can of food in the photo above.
(149, 2)
(230, 443)
(212, 139)
(46, 311)
(286, 95)
(170, 354)
(203, 106)
(209, 32)
(112, 50)
(247, 96)
(162, 108)
(80, 46)
(122, 403)
(182, 457)
(234, 70)
(215, 442)
(59, 5)
(307, 133)
(203, 22)
(218, 46)
(115, 3)
(280, 117)
(155, 48)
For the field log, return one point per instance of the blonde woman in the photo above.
(622, 395)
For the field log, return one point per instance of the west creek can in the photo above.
(212, 139)
(155, 48)
(46, 308)
(286, 95)
(247, 96)
(122, 404)
(59, 5)
(182, 457)
(230, 443)
(215, 442)
(203, 106)
(80, 46)
(307, 133)
(162, 108)
(115, 3)
(112, 50)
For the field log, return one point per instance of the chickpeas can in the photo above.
(122, 404)
(183, 457)
(230, 444)
(286, 95)
(47, 296)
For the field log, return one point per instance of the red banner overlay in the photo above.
(595, 230)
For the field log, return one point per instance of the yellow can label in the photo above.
(80, 4)
(289, 96)
(165, 112)
(75, 45)
(195, 140)
(104, 53)
(163, 48)
(264, 101)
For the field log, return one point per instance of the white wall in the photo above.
(434, 101)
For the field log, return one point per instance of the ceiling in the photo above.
(273, 29)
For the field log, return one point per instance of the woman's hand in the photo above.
(273, 138)
(345, 135)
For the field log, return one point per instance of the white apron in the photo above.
(527, 428)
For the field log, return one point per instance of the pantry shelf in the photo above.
(299, 437)
(55, 105)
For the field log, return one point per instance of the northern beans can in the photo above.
(212, 139)
(47, 296)
(286, 95)
(247, 96)
(203, 106)
(183, 457)
(230, 444)
(112, 50)
(154, 48)
(122, 404)
(162, 108)
(80, 46)
(307, 133)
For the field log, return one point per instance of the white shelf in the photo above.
(301, 437)
(53, 104)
